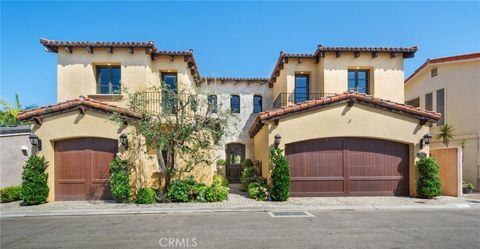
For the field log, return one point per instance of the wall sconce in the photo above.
(426, 140)
(276, 140)
(124, 140)
(35, 141)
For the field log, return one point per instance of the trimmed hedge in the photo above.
(428, 185)
(34, 181)
(146, 196)
(280, 190)
(9, 194)
(120, 180)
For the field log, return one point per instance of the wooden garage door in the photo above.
(348, 166)
(81, 168)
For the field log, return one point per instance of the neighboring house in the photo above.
(450, 86)
(339, 111)
(15, 148)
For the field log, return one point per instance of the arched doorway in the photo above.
(235, 154)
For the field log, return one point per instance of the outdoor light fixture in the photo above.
(277, 140)
(35, 141)
(124, 140)
(426, 140)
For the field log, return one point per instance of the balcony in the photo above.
(286, 99)
(157, 101)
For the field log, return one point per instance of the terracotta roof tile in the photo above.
(339, 98)
(442, 60)
(74, 104)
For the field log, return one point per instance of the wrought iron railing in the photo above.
(286, 99)
(158, 101)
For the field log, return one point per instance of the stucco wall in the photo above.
(330, 75)
(262, 145)
(357, 121)
(462, 107)
(238, 123)
(12, 158)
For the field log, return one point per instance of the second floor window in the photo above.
(429, 102)
(413, 102)
(301, 88)
(169, 90)
(257, 104)
(441, 105)
(358, 81)
(235, 104)
(108, 80)
(170, 81)
(212, 103)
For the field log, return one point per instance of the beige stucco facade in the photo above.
(330, 74)
(460, 80)
(343, 121)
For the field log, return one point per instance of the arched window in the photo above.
(235, 104)
(257, 104)
(212, 103)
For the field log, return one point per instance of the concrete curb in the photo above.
(140, 210)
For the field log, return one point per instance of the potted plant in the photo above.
(467, 187)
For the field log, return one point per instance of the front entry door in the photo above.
(235, 154)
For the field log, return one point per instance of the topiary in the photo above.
(428, 185)
(146, 196)
(249, 173)
(9, 194)
(280, 190)
(34, 181)
(120, 180)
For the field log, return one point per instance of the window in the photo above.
(170, 81)
(434, 72)
(414, 102)
(301, 88)
(441, 105)
(235, 104)
(257, 104)
(169, 90)
(429, 102)
(108, 80)
(358, 81)
(212, 103)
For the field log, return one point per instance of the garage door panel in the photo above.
(367, 167)
(81, 168)
(301, 187)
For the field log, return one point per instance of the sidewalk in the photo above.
(239, 203)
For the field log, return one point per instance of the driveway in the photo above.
(327, 229)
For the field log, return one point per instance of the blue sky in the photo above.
(229, 39)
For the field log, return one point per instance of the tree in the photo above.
(180, 125)
(445, 134)
(280, 176)
(8, 116)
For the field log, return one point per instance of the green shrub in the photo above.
(249, 173)
(428, 185)
(181, 190)
(258, 190)
(146, 196)
(10, 194)
(34, 181)
(188, 189)
(280, 190)
(220, 181)
(120, 180)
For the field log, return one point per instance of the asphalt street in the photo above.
(327, 229)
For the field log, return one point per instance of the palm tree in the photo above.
(8, 116)
(445, 134)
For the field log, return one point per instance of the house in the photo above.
(449, 85)
(339, 112)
